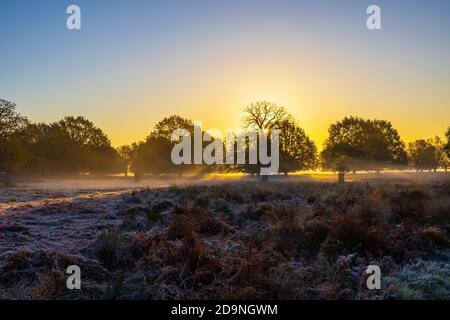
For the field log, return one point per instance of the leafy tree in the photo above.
(446, 160)
(103, 160)
(71, 145)
(297, 150)
(167, 126)
(426, 154)
(10, 121)
(154, 155)
(386, 149)
(83, 132)
(96, 153)
(358, 144)
(447, 145)
(248, 168)
(127, 154)
(441, 154)
(13, 155)
(52, 150)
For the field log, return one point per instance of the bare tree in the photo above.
(264, 115)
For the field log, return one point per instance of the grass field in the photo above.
(300, 237)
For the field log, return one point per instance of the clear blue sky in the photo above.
(135, 62)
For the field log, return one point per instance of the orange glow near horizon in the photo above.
(219, 104)
(208, 60)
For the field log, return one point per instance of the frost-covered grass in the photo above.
(423, 280)
(287, 239)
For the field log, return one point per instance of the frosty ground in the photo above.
(301, 237)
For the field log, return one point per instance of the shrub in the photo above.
(314, 233)
(350, 234)
(190, 219)
(113, 250)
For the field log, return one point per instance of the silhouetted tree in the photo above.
(426, 154)
(127, 154)
(103, 160)
(249, 146)
(264, 116)
(72, 145)
(297, 150)
(83, 132)
(52, 150)
(154, 155)
(96, 153)
(446, 161)
(386, 149)
(357, 144)
(441, 153)
(10, 120)
(447, 145)
(167, 126)
(13, 156)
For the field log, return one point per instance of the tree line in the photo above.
(74, 145)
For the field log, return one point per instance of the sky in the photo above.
(135, 62)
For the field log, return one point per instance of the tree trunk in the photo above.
(341, 177)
